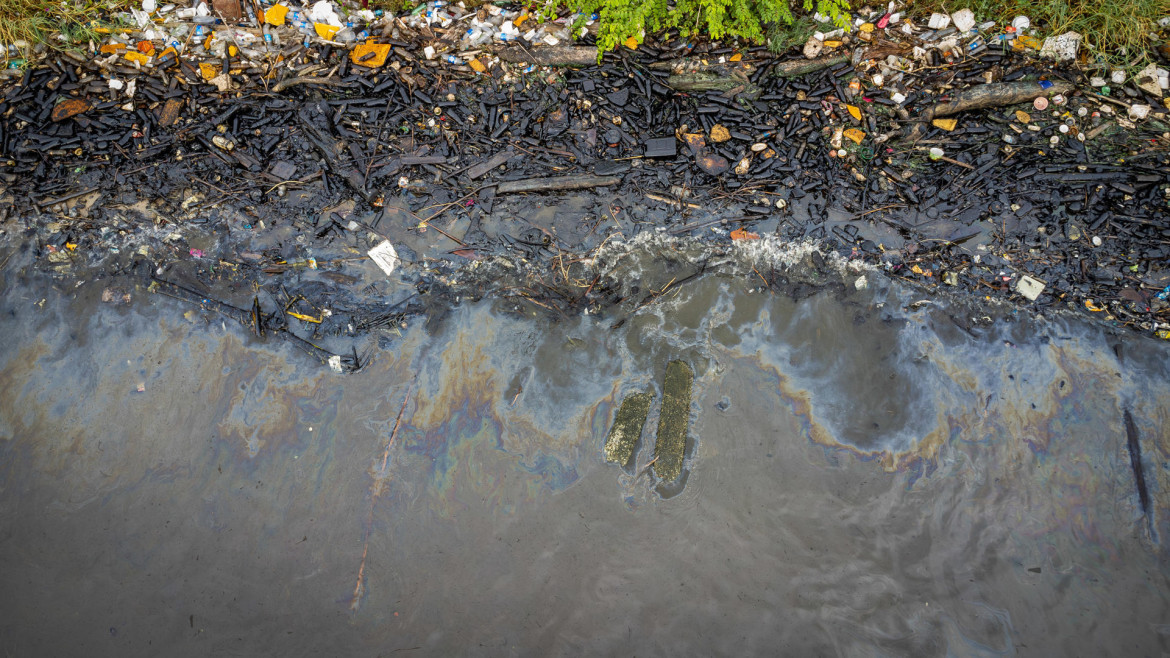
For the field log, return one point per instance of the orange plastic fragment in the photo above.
(854, 111)
(477, 65)
(741, 234)
(632, 43)
(854, 134)
(325, 30)
(145, 47)
(372, 55)
(275, 15)
(208, 71)
(736, 57)
(111, 48)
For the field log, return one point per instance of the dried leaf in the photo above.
(69, 108)
(712, 163)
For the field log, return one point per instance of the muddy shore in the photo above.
(264, 205)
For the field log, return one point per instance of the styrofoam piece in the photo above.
(964, 19)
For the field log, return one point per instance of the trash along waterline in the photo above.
(867, 469)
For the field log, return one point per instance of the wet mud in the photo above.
(868, 469)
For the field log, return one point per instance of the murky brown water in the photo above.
(867, 476)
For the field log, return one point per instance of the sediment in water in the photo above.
(627, 427)
(673, 421)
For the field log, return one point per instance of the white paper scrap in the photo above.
(385, 256)
(1029, 287)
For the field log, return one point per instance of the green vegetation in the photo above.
(1117, 30)
(751, 20)
(39, 21)
(782, 36)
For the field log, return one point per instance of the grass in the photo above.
(39, 21)
(782, 36)
(1116, 31)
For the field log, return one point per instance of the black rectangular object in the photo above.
(661, 147)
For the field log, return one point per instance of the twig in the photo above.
(375, 490)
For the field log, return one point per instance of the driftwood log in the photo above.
(998, 94)
(697, 82)
(799, 67)
(550, 55)
(981, 97)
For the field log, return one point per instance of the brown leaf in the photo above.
(170, 112)
(712, 163)
(69, 108)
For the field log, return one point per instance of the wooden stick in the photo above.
(556, 183)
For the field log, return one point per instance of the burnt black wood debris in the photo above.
(262, 183)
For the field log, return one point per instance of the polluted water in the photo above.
(858, 467)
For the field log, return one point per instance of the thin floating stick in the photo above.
(375, 491)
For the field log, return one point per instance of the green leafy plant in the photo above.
(753, 20)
